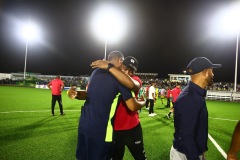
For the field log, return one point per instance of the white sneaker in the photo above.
(154, 114)
(147, 108)
(151, 115)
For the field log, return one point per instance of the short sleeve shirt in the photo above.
(131, 118)
(56, 85)
(151, 91)
(98, 109)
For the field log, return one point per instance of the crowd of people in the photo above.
(82, 82)
(216, 86)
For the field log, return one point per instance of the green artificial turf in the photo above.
(28, 131)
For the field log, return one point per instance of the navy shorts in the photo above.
(93, 147)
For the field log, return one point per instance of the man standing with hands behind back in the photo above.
(190, 113)
(56, 86)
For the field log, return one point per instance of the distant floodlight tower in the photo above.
(109, 23)
(228, 21)
(30, 31)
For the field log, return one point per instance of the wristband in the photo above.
(110, 65)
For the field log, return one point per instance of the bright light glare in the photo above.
(109, 23)
(230, 19)
(30, 31)
(227, 20)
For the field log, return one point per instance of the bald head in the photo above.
(116, 58)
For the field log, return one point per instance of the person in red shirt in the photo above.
(147, 100)
(175, 93)
(56, 86)
(169, 94)
(127, 127)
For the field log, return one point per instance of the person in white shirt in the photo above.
(152, 99)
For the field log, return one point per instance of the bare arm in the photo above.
(73, 94)
(49, 86)
(123, 78)
(81, 95)
(235, 144)
(134, 105)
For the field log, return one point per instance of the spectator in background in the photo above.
(56, 86)
(152, 99)
(190, 113)
(162, 94)
(175, 93)
(147, 94)
(156, 92)
(169, 95)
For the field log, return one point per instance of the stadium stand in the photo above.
(218, 91)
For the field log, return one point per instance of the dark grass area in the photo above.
(36, 134)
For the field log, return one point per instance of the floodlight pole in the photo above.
(236, 64)
(105, 55)
(25, 59)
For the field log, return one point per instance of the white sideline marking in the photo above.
(223, 119)
(217, 146)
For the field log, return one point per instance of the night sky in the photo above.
(164, 36)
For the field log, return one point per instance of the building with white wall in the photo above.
(179, 77)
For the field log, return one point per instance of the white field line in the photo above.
(224, 119)
(217, 146)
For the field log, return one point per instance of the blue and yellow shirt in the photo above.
(99, 107)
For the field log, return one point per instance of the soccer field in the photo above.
(28, 131)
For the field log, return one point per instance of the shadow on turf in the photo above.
(23, 132)
(28, 130)
(164, 120)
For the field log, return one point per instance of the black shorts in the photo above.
(131, 138)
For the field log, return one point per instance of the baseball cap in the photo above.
(199, 64)
(131, 63)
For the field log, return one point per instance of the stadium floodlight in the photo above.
(29, 31)
(109, 23)
(227, 21)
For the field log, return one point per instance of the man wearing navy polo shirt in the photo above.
(191, 115)
(95, 126)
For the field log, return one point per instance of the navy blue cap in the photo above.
(199, 64)
(131, 63)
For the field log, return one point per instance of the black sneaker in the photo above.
(62, 114)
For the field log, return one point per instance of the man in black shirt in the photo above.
(191, 115)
